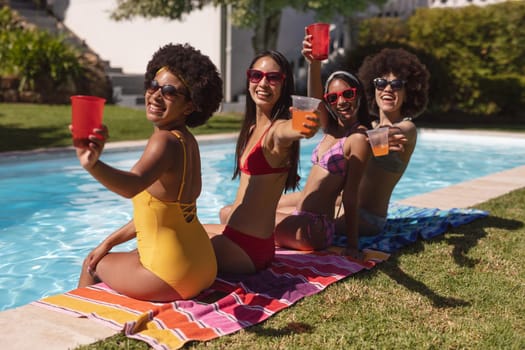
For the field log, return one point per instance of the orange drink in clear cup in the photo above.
(378, 139)
(302, 107)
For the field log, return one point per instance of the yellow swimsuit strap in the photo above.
(189, 210)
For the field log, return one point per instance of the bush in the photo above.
(44, 65)
(483, 50)
(475, 55)
(501, 94)
(376, 31)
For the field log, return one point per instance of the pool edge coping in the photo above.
(206, 139)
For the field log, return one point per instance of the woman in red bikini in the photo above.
(267, 155)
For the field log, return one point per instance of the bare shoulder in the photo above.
(162, 139)
(356, 143)
(407, 128)
(358, 136)
(406, 125)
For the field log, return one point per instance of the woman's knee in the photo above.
(299, 232)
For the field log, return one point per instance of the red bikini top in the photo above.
(256, 163)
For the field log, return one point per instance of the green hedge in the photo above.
(476, 55)
(483, 49)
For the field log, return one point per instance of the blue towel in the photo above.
(405, 224)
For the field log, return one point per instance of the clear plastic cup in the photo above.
(378, 139)
(303, 106)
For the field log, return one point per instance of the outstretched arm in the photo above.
(402, 137)
(315, 85)
(156, 159)
(285, 134)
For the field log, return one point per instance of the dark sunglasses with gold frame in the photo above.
(167, 91)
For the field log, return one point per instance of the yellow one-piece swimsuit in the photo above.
(172, 243)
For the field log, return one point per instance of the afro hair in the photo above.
(197, 71)
(404, 65)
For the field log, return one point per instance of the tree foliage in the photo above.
(263, 16)
(43, 63)
(483, 49)
(475, 54)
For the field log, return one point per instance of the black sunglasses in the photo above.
(396, 84)
(348, 94)
(273, 78)
(167, 91)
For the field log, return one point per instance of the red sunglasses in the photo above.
(348, 94)
(273, 78)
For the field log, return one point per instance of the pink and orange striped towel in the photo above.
(232, 303)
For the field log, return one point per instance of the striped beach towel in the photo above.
(232, 303)
(236, 302)
(406, 224)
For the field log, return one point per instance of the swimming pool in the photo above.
(54, 213)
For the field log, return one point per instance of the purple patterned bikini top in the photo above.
(334, 159)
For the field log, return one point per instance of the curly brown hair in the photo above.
(404, 65)
(197, 71)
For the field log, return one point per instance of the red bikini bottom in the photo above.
(261, 251)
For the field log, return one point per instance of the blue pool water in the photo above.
(54, 213)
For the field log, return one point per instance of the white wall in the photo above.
(460, 3)
(289, 43)
(130, 44)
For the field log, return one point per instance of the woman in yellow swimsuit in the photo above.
(174, 258)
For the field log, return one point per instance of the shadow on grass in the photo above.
(391, 269)
(462, 239)
(466, 237)
(13, 138)
(289, 329)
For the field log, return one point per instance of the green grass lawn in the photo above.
(462, 290)
(31, 126)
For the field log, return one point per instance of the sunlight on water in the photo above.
(54, 213)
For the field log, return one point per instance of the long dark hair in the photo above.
(363, 116)
(281, 110)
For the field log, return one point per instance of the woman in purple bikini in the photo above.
(305, 220)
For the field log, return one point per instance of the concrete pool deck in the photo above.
(33, 327)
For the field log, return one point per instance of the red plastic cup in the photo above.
(320, 33)
(86, 115)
